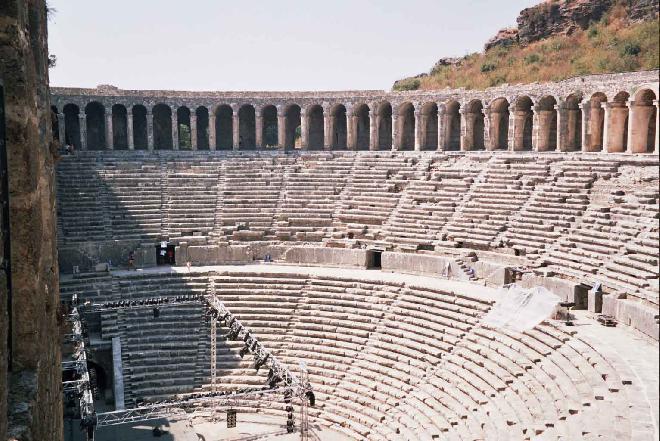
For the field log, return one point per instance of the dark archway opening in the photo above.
(339, 130)
(202, 114)
(453, 126)
(524, 124)
(316, 132)
(224, 128)
(363, 129)
(247, 138)
(95, 114)
(385, 126)
(140, 135)
(162, 127)
(406, 123)
(72, 125)
(573, 135)
(55, 123)
(119, 127)
(269, 126)
(430, 126)
(292, 127)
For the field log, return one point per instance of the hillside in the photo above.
(553, 41)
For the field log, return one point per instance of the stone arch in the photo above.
(474, 130)
(406, 126)
(595, 122)
(292, 134)
(55, 123)
(362, 127)
(224, 127)
(643, 123)
(573, 126)
(162, 115)
(269, 126)
(72, 125)
(452, 126)
(384, 123)
(95, 117)
(546, 139)
(523, 124)
(617, 123)
(119, 127)
(183, 128)
(140, 130)
(202, 117)
(315, 129)
(247, 128)
(338, 128)
(429, 126)
(499, 124)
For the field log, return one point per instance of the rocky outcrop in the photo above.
(504, 37)
(561, 17)
(446, 61)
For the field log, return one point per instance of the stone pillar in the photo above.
(109, 140)
(607, 126)
(211, 130)
(537, 132)
(82, 122)
(351, 135)
(175, 130)
(235, 129)
(585, 108)
(656, 148)
(304, 130)
(512, 130)
(61, 128)
(328, 129)
(419, 129)
(466, 144)
(281, 129)
(488, 145)
(562, 128)
(259, 128)
(395, 131)
(129, 129)
(442, 128)
(150, 130)
(373, 128)
(193, 130)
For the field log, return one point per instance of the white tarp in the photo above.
(520, 309)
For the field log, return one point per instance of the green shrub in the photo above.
(407, 84)
(532, 58)
(592, 32)
(631, 49)
(487, 67)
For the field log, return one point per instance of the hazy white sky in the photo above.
(264, 44)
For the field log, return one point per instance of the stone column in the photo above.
(281, 129)
(304, 129)
(512, 130)
(82, 122)
(488, 145)
(395, 131)
(193, 130)
(109, 140)
(442, 128)
(211, 130)
(607, 127)
(466, 144)
(419, 129)
(175, 130)
(150, 130)
(373, 129)
(351, 135)
(129, 129)
(259, 128)
(585, 108)
(562, 128)
(656, 148)
(536, 128)
(235, 129)
(328, 129)
(61, 128)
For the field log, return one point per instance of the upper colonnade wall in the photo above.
(610, 113)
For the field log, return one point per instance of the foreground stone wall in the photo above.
(34, 411)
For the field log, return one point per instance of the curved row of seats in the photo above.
(390, 361)
(547, 209)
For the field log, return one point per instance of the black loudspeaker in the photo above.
(231, 419)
